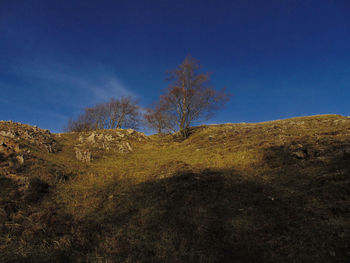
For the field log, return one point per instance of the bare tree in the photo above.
(116, 113)
(100, 115)
(76, 126)
(123, 113)
(189, 97)
(157, 120)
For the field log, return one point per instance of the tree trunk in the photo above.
(184, 112)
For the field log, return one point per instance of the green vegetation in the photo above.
(267, 192)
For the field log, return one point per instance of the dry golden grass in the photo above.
(267, 192)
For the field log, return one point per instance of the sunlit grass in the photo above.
(228, 193)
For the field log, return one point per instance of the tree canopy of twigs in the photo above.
(116, 113)
(189, 98)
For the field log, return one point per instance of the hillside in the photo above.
(276, 191)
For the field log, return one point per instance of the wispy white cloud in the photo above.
(109, 88)
(14, 105)
(49, 93)
(89, 83)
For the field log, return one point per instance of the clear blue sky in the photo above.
(279, 58)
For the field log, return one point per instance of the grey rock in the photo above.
(119, 134)
(300, 154)
(20, 159)
(108, 137)
(84, 156)
(8, 134)
(124, 147)
(130, 131)
(100, 136)
(91, 138)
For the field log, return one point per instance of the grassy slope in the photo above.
(268, 192)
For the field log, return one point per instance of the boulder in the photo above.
(100, 136)
(8, 134)
(108, 137)
(300, 154)
(3, 147)
(20, 159)
(91, 138)
(84, 156)
(124, 147)
(130, 131)
(119, 134)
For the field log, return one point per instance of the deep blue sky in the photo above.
(280, 58)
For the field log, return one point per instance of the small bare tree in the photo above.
(100, 115)
(123, 113)
(157, 120)
(116, 113)
(78, 125)
(189, 97)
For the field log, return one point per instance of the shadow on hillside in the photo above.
(319, 170)
(2, 157)
(216, 216)
(310, 164)
(212, 216)
(8, 194)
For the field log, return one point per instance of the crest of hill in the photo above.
(20, 144)
(271, 133)
(27, 135)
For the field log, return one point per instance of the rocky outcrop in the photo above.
(124, 147)
(10, 155)
(117, 140)
(23, 134)
(18, 144)
(84, 156)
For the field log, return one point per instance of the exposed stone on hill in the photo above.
(301, 154)
(8, 134)
(10, 154)
(117, 140)
(26, 134)
(124, 147)
(20, 159)
(18, 142)
(119, 134)
(130, 131)
(91, 138)
(108, 138)
(84, 156)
